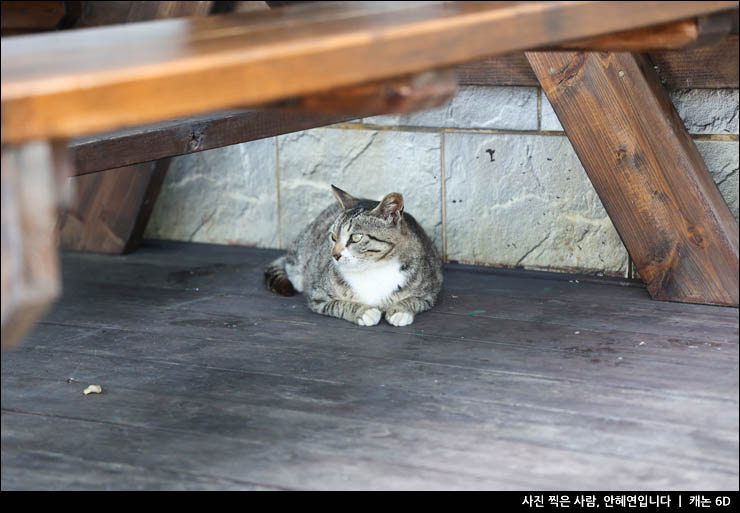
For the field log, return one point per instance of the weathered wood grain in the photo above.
(695, 32)
(401, 95)
(268, 417)
(714, 66)
(534, 350)
(58, 471)
(253, 391)
(710, 67)
(144, 11)
(188, 135)
(149, 72)
(226, 300)
(229, 290)
(112, 208)
(647, 172)
(207, 277)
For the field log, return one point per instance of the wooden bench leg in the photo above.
(647, 171)
(113, 208)
(33, 176)
(114, 205)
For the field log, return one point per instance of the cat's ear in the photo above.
(390, 207)
(344, 199)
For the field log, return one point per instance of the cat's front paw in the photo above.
(400, 318)
(369, 317)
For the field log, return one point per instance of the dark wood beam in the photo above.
(709, 67)
(189, 135)
(689, 33)
(186, 135)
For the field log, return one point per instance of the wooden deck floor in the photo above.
(517, 380)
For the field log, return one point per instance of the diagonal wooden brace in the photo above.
(647, 171)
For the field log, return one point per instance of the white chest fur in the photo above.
(372, 286)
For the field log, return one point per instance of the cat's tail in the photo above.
(276, 279)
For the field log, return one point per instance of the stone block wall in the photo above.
(490, 176)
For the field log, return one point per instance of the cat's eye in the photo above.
(333, 237)
(356, 237)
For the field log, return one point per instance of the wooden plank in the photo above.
(695, 32)
(647, 171)
(32, 180)
(401, 95)
(710, 67)
(530, 323)
(146, 10)
(260, 353)
(247, 6)
(692, 33)
(504, 70)
(314, 465)
(50, 471)
(30, 16)
(713, 66)
(179, 137)
(536, 349)
(213, 284)
(149, 72)
(218, 293)
(113, 209)
(253, 399)
(97, 13)
(296, 379)
(187, 135)
(292, 397)
(243, 405)
(206, 270)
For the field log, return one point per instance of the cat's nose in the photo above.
(337, 256)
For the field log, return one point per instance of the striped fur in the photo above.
(359, 259)
(277, 280)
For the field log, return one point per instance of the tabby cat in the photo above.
(361, 258)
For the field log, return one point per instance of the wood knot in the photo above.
(660, 196)
(570, 71)
(696, 237)
(196, 138)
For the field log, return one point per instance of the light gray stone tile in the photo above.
(222, 196)
(703, 111)
(365, 163)
(707, 111)
(525, 200)
(550, 120)
(721, 157)
(503, 108)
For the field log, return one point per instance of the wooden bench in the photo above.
(79, 101)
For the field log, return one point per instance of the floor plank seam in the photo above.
(392, 331)
(314, 446)
(490, 402)
(515, 380)
(161, 469)
(573, 381)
